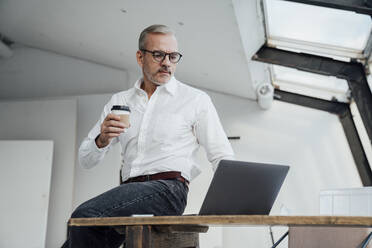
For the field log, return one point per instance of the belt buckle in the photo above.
(183, 180)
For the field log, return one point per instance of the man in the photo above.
(168, 121)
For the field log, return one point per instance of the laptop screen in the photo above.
(241, 187)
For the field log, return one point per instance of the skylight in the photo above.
(323, 30)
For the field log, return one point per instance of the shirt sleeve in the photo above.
(210, 133)
(89, 154)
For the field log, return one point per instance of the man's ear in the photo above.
(139, 56)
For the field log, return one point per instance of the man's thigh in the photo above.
(162, 197)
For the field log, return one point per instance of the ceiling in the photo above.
(217, 39)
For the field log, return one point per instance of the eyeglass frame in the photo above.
(165, 55)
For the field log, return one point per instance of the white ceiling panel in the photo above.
(106, 32)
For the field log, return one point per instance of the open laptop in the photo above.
(243, 188)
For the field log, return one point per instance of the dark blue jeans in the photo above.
(162, 197)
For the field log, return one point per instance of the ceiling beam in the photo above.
(354, 74)
(342, 110)
(358, 6)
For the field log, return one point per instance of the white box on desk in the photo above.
(346, 202)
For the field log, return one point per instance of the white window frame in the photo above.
(331, 51)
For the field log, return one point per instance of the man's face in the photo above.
(158, 72)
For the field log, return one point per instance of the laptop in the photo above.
(247, 188)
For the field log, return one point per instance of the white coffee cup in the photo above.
(122, 111)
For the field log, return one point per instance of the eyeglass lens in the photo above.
(160, 56)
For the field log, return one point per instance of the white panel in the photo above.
(25, 176)
(359, 205)
(347, 202)
(53, 120)
(341, 205)
(325, 205)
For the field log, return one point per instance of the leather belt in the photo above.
(159, 176)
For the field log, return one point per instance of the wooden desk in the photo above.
(223, 220)
(138, 229)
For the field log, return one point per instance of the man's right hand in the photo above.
(111, 127)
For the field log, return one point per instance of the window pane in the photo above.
(310, 84)
(316, 24)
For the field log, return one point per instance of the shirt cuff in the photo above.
(95, 148)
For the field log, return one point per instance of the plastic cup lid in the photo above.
(120, 107)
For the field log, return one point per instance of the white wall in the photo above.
(47, 120)
(250, 20)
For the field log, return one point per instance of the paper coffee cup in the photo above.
(122, 111)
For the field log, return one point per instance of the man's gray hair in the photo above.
(157, 28)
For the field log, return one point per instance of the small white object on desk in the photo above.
(346, 202)
(142, 215)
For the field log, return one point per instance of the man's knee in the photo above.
(85, 212)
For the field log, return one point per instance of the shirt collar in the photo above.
(170, 86)
(137, 84)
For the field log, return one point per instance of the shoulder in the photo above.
(187, 90)
(122, 96)
(195, 98)
(124, 93)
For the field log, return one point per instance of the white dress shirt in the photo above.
(165, 132)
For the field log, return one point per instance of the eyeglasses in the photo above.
(159, 56)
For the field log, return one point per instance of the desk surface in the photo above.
(223, 220)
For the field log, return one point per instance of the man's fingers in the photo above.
(113, 130)
(112, 117)
(109, 136)
(112, 127)
(112, 135)
(113, 123)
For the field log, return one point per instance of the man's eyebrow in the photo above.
(166, 52)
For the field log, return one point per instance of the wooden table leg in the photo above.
(163, 236)
(138, 236)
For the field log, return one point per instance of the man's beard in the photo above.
(152, 79)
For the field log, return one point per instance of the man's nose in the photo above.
(166, 60)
